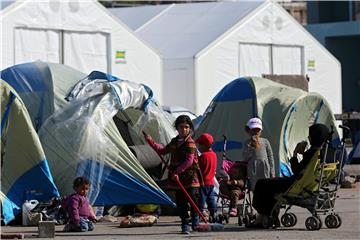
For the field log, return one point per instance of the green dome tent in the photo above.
(25, 172)
(286, 114)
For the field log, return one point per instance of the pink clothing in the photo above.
(183, 161)
(78, 207)
(188, 161)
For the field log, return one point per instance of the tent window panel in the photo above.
(254, 59)
(287, 60)
(36, 44)
(86, 51)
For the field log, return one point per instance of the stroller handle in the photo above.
(344, 127)
(346, 131)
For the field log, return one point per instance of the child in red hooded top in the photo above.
(208, 165)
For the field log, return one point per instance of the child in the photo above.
(258, 153)
(233, 186)
(184, 165)
(207, 164)
(79, 209)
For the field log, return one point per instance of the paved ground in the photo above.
(347, 206)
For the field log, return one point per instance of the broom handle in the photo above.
(190, 199)
(181, 186)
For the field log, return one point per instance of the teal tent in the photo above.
(25, 173)
(286, 113)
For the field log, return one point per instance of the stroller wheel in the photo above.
(226, 219)
(240, 220)
(267, 222)
(313, 223)
(332, 221)
(219, 218)
(294, 219)
(339, 220)
(288, 219)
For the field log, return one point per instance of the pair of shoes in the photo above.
(254, 225)
(212, 219)
(185, 229)
(257, 221)
(233, 212)
(195, 227)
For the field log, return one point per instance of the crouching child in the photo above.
(77, 206)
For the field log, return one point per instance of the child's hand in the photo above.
(174, 177)
(300, 148)
(147, 137)
(94, 220)
(230, 182)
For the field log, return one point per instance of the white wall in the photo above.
(179, 83)
(219, 63)
(141, 63)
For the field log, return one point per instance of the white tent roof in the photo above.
(5, 3)
(136, 17)
(182, 30)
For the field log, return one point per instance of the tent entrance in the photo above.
(256, 59)
(126, 125)
(83, 50)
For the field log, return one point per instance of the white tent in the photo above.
(80, 34)
(206, 45)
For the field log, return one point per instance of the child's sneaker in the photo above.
(185, 229)
(233, 212)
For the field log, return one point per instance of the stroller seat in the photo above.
(244, 207)
(313, 190)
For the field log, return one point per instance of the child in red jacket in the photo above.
(208, 165)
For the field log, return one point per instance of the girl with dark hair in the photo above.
(266, 189)
(184, 164)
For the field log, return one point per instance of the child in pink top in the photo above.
(79, 209)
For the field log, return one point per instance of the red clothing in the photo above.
(208, 165)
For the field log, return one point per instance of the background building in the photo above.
(204, 46)
(336, 25)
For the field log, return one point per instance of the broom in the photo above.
(201, 227)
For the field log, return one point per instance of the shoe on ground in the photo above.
(233, 212)
(185, 229)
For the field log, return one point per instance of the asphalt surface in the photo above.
(168, 227)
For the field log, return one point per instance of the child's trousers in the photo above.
(207, 195)
(183, 206)
(84, 226)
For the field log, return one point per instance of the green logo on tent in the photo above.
(311, 65)
(120, 57)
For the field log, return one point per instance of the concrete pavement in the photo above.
(168, 227)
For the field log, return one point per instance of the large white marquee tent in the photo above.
(205, 45)
(81, 34)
